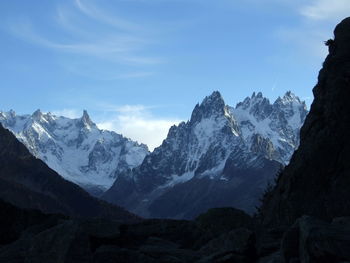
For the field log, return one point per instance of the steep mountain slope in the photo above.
(317, 180)
(76, 148)
(28, 182)
(222, 156)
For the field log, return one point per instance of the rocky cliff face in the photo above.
(271, 128)
(317, 180)
(223, 156)
(76, 148)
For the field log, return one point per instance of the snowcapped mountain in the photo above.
(75, 148)
(222, 156)
(271, 129)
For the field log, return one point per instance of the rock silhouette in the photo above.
(316, 181)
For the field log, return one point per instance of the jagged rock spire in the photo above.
(86, 119)
(213, 105)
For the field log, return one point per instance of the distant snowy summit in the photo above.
(75, 148)
(271, 129)
(222, 156)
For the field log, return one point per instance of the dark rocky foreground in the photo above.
(305, 218)
(220, 235)
(30, 236)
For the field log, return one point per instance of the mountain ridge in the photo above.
(216, 136)
(210, 147)
(76, 148)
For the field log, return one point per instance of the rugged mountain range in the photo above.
(28, 182)
(234, 151)
(271, 129)
(75, 148)
(223, 156)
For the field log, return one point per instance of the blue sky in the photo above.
(139, 66)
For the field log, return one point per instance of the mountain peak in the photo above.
(86, 119)
(258, 95)
(97, 155)
(8, 114)
(37, 114)
(214, 100)
(212, 105)
(215, 95)
(288, 98)
(12, 113)
(86, 115)
(256, 101)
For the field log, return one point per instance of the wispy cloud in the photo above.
(138, 123)
(134, 75)
(106, 71)
(88, 33)
(307, 39)
(99, 15)
(274, 85)
(317, 19)
(100, 48)
(326, 10)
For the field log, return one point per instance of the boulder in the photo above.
(311, 240)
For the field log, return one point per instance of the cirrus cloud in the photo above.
(90, 36)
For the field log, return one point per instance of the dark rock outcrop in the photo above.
(316, 182)
(312, 240)
(221, 220)
(14, 221)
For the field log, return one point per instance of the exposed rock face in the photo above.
(271, 128)
(316, 182)
(222, 156)
(75, 148)
(28, 182)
